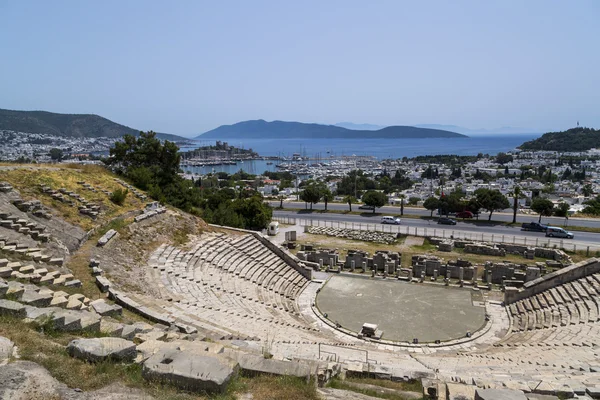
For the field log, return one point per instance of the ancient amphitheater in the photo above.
(227, 300)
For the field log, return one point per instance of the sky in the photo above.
(185, 67)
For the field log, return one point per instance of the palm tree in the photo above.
(402, 197)
(350, 200)
(281, 197)
(517, 194)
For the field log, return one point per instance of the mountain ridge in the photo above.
(68, 125)
(261, 129)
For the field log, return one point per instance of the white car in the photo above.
(391, 220)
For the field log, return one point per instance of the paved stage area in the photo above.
(402, 310)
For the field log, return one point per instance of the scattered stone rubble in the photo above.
(103, 241)
(150, 210)
(5, 187)
(500, 249)
(132, 189)
(366, 236)
(69, 197)
(24, 226)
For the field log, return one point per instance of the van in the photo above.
(390, 220)
(273, 228)
(554, 231)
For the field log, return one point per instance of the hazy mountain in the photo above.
(481, 131)
(359, 127)
(260, 129)
(71, 125)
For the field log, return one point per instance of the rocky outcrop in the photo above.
(26, 380)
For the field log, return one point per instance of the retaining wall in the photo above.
(556, 278)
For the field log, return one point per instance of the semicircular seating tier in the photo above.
(232, 284)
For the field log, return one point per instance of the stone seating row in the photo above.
(266, 274)
(40, 296)
(132, 189)
(32, 253)
(566, 369)
(24, 226)
(71, 198)
(149, 214)
(37, 274)
(199, 278)
(71, 312)
(571, 303)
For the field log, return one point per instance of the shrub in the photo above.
(118, 196)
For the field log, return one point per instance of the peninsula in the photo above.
(69, 125)
(574, 139)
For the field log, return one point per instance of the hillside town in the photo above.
(562, 177)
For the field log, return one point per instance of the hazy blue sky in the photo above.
(185, 67)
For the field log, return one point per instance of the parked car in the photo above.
(366, 207)
(554, 231)
(464, 214)
(390, 220)
(534, 226)
(446, 221)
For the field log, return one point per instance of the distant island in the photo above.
(69, 125)
(260, 129)
(574, 139)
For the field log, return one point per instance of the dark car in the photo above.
(446, 221)
(464, 214)
(534, 226)
(366, 207)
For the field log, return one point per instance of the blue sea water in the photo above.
(380, 148)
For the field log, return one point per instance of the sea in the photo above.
(380, 148)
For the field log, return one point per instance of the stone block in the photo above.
(189, 371)
(59, 301)
(12, 308)
(103, 308)
(99, 349)
(257, 364)
(36, 299)
(57, 261)
(103, 283)
(499, 394)
(106, 237)
(455, 391)
(73, 283)
(6, 349)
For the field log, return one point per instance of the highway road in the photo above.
(466, 227)
(497, 216)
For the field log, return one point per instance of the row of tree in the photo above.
(153, 165)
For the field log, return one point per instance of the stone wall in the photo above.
(289, 258)
(556, 278)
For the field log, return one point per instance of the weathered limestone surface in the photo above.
(499, 394)
(12, 308)
(457, 391)
(189, 371)
(6, 349)
(254, 363)
(99, 349)
(105, 309)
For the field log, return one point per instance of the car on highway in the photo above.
(366, 207)
(390, 220)
(464, 214)
(555, 231)
(446, 221)
(534, 226)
